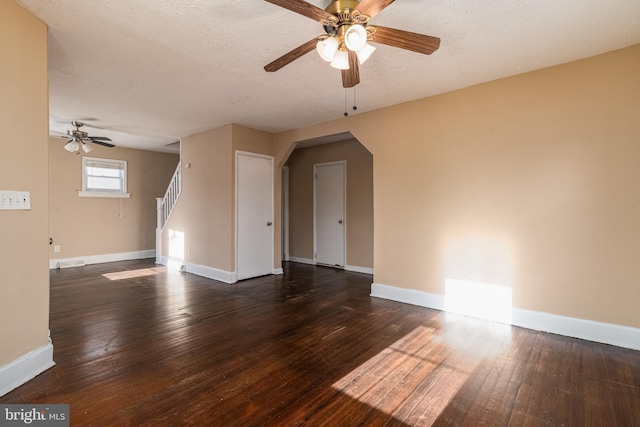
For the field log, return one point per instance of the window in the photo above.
(104, 178)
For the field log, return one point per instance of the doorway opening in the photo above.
(300, 214)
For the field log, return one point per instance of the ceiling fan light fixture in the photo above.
(347, 22)
(72, 146)
(355, 38)
(86, 147)
(364, 53)
(341, 60)
(327, 48)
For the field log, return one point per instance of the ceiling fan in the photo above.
(347, 30)
(80, 139)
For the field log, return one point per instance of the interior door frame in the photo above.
(344, 208)
(239, 153)
(285, 213)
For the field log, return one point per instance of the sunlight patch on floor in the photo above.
(410, 380)
(129, 274)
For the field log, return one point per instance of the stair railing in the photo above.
(164, 207)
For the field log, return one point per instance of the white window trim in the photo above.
(106, 194)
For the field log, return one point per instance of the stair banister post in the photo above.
(159, 226)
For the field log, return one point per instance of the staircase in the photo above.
(165, 206)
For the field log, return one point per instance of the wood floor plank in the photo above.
(138, 345)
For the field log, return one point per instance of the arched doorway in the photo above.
(298, 180)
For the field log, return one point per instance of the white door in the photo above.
(254, 215)
(329, 213)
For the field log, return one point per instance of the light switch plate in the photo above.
(15, 200)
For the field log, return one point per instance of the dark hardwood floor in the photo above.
(137, 345)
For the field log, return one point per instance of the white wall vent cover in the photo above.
(71, 263)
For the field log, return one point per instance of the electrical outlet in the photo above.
(15, 200)
(56, 248)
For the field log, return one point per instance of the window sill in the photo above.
(104, 194)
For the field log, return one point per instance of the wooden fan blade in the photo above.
(372, 7)
(406, 40)
(99, 138)
(291, 56)
(351, 77)
(303, 8)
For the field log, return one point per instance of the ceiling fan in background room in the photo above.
(81, 140)
(347, 31)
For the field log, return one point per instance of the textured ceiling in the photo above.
(149, 72)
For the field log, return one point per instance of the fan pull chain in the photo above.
(354, 99)
(345, 102)
(355, 107)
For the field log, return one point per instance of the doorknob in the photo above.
(269, 223)
(339, 221)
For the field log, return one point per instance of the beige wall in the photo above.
(24, 120)
(359, 219)
(529, 182)
(84, 226)
(205, 211)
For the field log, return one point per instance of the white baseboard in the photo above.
(408, 296)
(357, 269)
(212, 273)
(607, 333)
(301, 260)
(26, 367)
(201, 270)
(354, 268)
(99, 259)
(208, 272)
